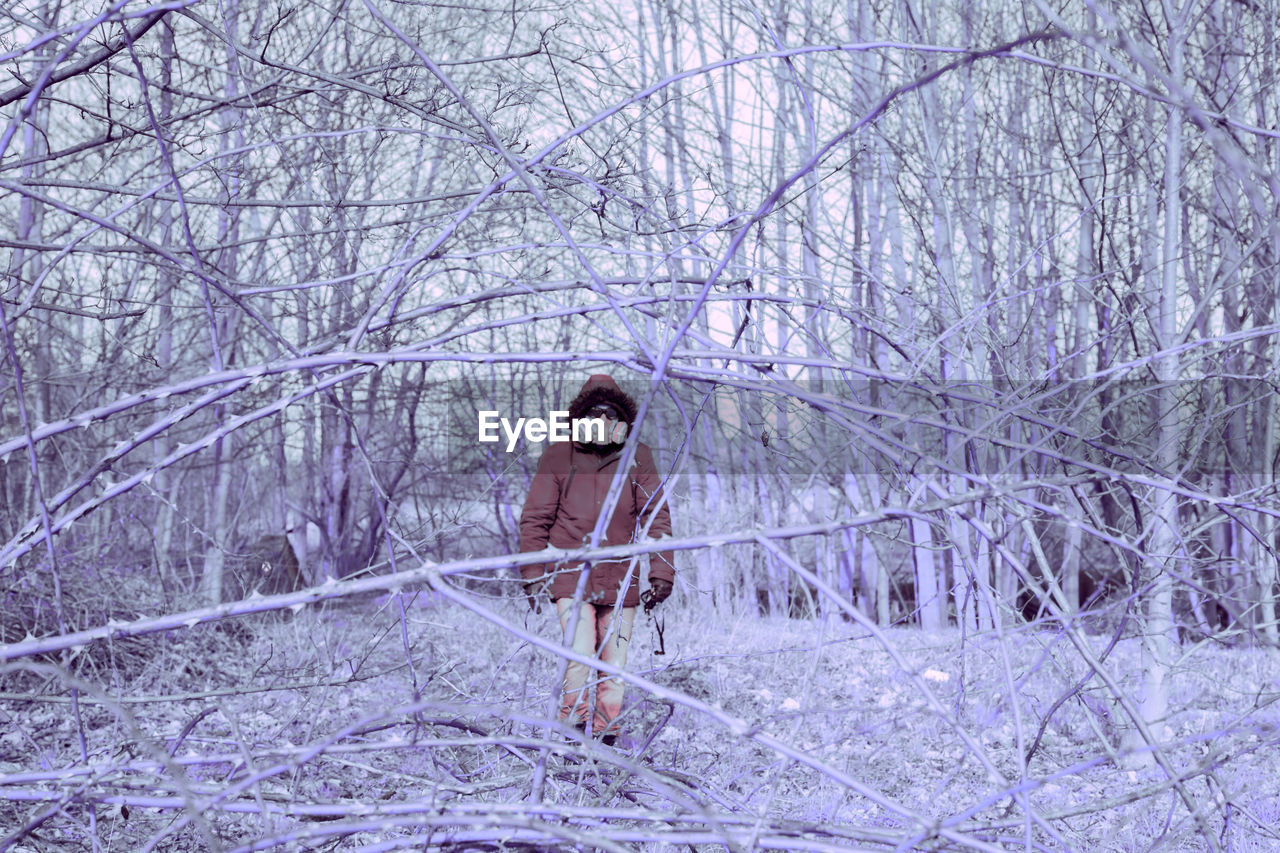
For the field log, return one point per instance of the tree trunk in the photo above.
(1159, 640)
(930, 600)
(222, 319)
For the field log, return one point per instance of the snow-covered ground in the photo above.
(363, 726)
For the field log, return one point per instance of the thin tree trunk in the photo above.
(222, 328)
(1159, 642)
(163, 483)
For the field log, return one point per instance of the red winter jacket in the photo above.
(566, 497)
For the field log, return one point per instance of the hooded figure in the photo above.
(561, 510)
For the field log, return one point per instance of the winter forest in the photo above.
(954, 329)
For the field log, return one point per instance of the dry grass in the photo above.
(322, 732)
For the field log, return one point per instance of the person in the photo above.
(562, 508)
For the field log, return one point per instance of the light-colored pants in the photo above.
(603, 632)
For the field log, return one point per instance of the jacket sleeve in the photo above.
(651, 504)
(539, 514)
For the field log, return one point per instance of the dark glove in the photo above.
(531, 590)
(658, 592)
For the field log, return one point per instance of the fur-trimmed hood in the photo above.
(600, 388)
